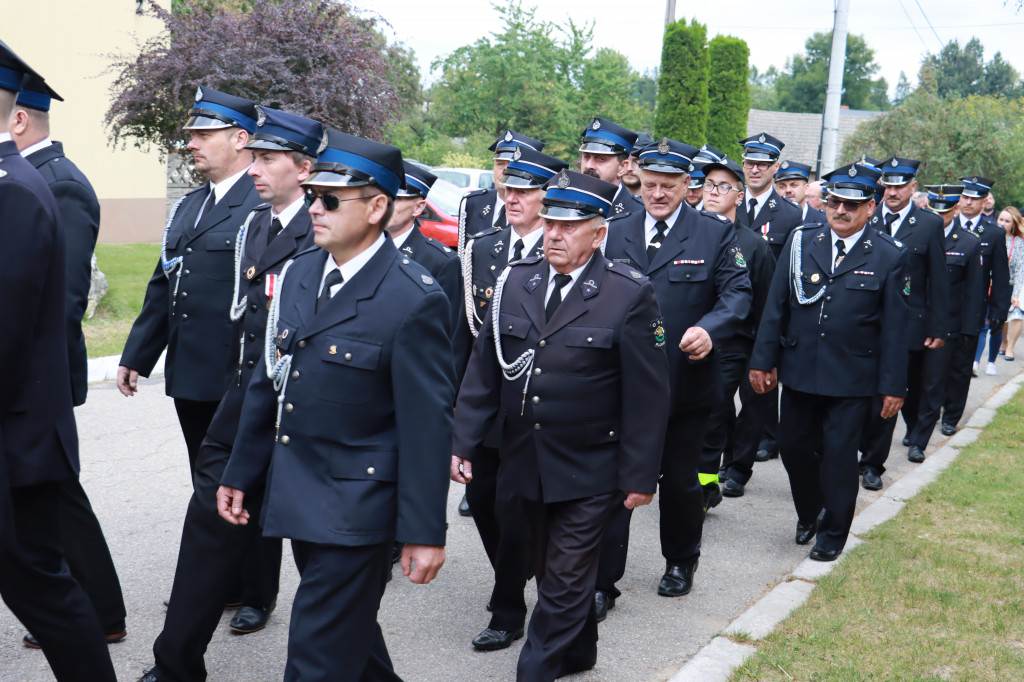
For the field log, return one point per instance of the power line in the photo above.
(912, 25)
(928, 21)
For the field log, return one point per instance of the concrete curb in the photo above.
(722, 656)
(105, 368)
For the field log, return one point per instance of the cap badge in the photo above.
(761, 139)
(199, 93)
(261, 118)
(784, 165)
(323, 143)
(895, 162)
(563, 179)
(517, 154)
(663, 147)
(703, 147)
(595, 125)
(508, 136)
(974, 180)
(852, 172)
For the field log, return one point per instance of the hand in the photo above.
(933, 342)
(229, 506)
(420, 563)
(890, 406)
(696, 342)
(462, 470)
(1014, 303)
(127, 381)
(634, 500)
(763, 381)
(994, 326)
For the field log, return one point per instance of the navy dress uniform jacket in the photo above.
(815, 216)
(263, 260)
(776, 219)
(625, 203)
(194, 325)
(995, 288)
(700, 280)
(364, 446)
(441, 262)
(598, 384)
(80, 215)
(921, 235)
(966, 277)
(37, 421)
(476, 213)
(851, 342)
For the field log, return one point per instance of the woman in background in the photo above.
(1011, 220)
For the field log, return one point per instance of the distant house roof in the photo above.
(802, 132)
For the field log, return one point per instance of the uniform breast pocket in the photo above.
(918, 249)
(587, 348)
(345, 361)
(513, 325)
(863, 283)
(687, 273)
(221, 247)
(482, 291)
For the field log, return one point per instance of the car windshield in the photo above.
(454, 177)
(447, 197)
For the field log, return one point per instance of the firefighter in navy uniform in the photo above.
(605, 150)
(484, 209)
(700, 278)
(966, 274)
(926, 289)
(791, 181)
(183, 310)
(833, 332)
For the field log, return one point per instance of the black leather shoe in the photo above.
(732, 488)
(805, 531)
(677, 581)
(948, 430)
(31, 642)
(915, 454)
(765, 455)
(822, 554)
(603, 603)
(251, 618)
(712, 495)
(906, 441)
(396, 552)
(464, 509)
(871, 480)
(149, 676)
(493, 640)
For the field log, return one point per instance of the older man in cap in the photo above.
(190, 290)
(483, 210)
(994, 292)
(833, 332)
(348, 417)
(792, 181)
(571, 359)
(605, 150)
(38, 440)
(217, 560)
(926, 290)
(498, 518)
(700, 278)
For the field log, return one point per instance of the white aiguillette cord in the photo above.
(524, 363)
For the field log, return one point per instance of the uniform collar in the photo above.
(32, 149)
(220, 189)
(5, 137)
(289, 212)
(650, 221)
(529, 241)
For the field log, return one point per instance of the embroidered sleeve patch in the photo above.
(658, 333)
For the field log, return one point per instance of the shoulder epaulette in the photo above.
(486, 232)
(527, 260)
(795, 205)
(475, 193)
(624, 270)
(712, 214)
(417, 273)
(261, 207)
(447, 250)
(618, 216)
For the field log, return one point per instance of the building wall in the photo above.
(69, 42)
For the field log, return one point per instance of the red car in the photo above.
(440, 218)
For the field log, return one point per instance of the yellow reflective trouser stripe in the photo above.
(707, 478)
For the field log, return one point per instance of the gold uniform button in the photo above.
(542, 344)
(295, 374)
(285, 440)
(301, 344)
(371, 471)
(289, 408)
(348, 356)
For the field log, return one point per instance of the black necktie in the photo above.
(751, 212)
(840, 254)
(967, 226)
(659, 236)
(275, 229)
(499, 220)
(517, 250)
(333, 278)
(206, 207)
(890, 218)
(556, 295)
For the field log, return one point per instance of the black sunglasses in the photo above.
(849, 204)
(330, 201)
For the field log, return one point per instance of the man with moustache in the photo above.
(186, 299)
(964, 266)
(572, 360)
(793, 182)
(604, 154)
(833, 332)
(217, 560)
(926, 293)
(631, 178)
(700, 279)
(499, 519)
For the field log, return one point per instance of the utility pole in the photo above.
(834, 90)
(670, 11)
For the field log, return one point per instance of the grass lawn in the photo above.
(938, 592)
(128, 268)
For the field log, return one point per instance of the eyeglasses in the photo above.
(849, 204)
(330, 201)
(759, 165)
(721, 188)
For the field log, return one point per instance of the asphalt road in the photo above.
(135, 471)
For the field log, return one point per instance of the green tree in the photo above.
(961, 71)
(762, 88)
(728, 93)
(981, 134)
(682, 112)
(608, 89)
(802, 84)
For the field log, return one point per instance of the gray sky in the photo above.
(897, 30)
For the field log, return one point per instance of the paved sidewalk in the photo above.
(135, 471)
